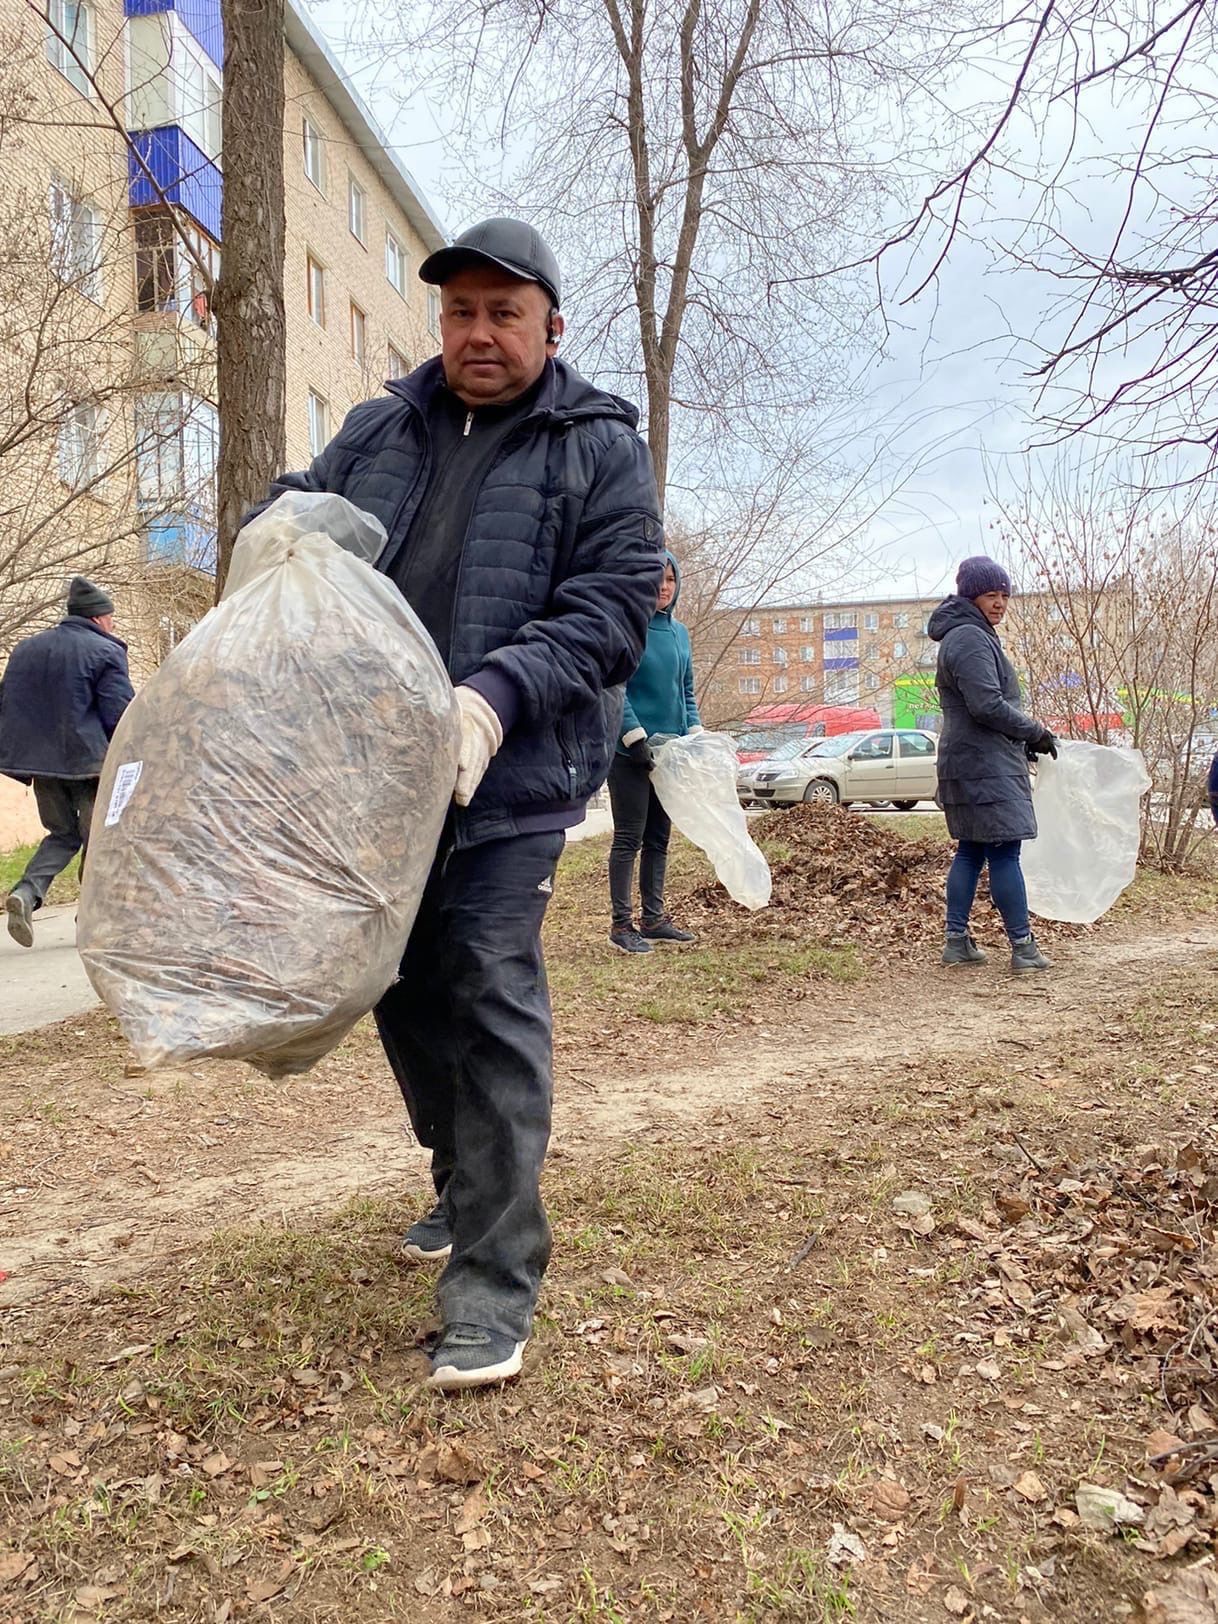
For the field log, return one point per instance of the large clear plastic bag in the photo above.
(271, 804)
(1088, 814)
(695, 778)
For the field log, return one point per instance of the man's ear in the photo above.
(555, 328)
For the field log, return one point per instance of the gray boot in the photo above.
(19, 909)
(1025, 955)
(962, 950)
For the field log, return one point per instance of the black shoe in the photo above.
(471, 1356)
(20, 918)
(627, 940)
(430, 1239)
(962, 950)
(1025, 955)
(665, 931)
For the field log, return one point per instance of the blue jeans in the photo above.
(1006, 886)
(467, 1032)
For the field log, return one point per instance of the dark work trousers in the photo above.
(639, 821)
(467, 1031)
(65, 806)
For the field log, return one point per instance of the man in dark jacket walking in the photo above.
(62, 695)
(523, 529)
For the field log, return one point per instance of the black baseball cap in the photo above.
(510, 244)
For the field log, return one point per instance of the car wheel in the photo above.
(820, 792)
(905, 806)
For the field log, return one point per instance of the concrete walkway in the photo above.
(46, 982)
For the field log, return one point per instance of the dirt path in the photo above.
(105, 1173)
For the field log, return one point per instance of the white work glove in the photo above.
(481, 736)
(692, 732)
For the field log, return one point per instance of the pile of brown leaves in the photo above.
(842, 877)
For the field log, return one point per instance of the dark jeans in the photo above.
(1006, 886)
(65, 806)
(467, 1031)
(639, 821)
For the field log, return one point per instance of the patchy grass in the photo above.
(64, 888)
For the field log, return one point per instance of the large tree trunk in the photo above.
(249, 296)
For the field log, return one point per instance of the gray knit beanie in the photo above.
(981, 574)
(88, 600)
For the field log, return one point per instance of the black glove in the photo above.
(640, 753)
(1043, 745)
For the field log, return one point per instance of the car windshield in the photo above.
(774, 740)
(786, 752)
(838, 746)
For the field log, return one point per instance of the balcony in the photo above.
(167, 167)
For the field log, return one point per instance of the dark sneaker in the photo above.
(1026, 955)
(20, 918)
(665, 931)
(471, 1356)
(430, 1240)
(627, 940)
(962, 950)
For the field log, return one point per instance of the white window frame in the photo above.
(900, 621)
(433, 312)
(77, 64)
(359, 334)
(318, 410)
(315, 290)
(79, 446)
(750, 685)
(779, 626)
(357, 211)
(780, 684)
(900, 649)
(807, 685)
(871, 622)
(399, 366)
(805, 623)
(313, 152)
(751, 628)
(872, 682)
(395, 263)
(76, 240)
(780, 656)
(807, 653)
(841, 687)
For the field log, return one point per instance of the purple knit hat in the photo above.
(981, 574)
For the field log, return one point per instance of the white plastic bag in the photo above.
(1089, 820)
(271, 803)
(695, 778)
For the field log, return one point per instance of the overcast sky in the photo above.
(956, 368)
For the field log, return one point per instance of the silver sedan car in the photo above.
(898, 765)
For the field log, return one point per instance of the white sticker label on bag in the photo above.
(125, 780)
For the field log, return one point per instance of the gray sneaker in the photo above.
(1025, 955)
(430, 1239)
(472, 1356)
(627, 940)
(20, 918)
(962, 950)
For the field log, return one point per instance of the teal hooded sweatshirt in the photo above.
(660, 695)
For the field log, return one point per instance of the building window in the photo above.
(750, 656)
(750, 685)
(70, 41)
(168, 277)
(780, 685)
(319, 423)
(76, 241)
(314, 158)
(399, 366)
(841, 620)
(808, 684)
(841, 687)
(201, 104)
(395, 263)
(807, 654)
(359, 334)
(177, 441)
(79, 447)
(433, 311)
(751, 628)
(871, 651)
(899, 650)
(871, 622)
(357, 204)
(316, 278)
(805, 623)
(780, 656)
(900, 621)
(779, 626)
(872, 681)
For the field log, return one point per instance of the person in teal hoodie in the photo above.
(659, 701)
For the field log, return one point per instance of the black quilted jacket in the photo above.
(558, 577)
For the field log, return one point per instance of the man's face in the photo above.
(106, 622)
(493, 330)
(993, 605)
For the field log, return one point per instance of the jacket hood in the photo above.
(564, 396)
(670, 558)
(956, 611)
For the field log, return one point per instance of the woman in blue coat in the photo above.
(984, 787)
(659, 700)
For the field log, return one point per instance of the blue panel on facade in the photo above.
(841, 634)
(842, 665)
(179, 539)
(182, 174)
(200, 17)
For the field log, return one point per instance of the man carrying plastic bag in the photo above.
(523, 529)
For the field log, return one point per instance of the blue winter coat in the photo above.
(660, 695)
(557, 581)
(62, 695)
(984, 787)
